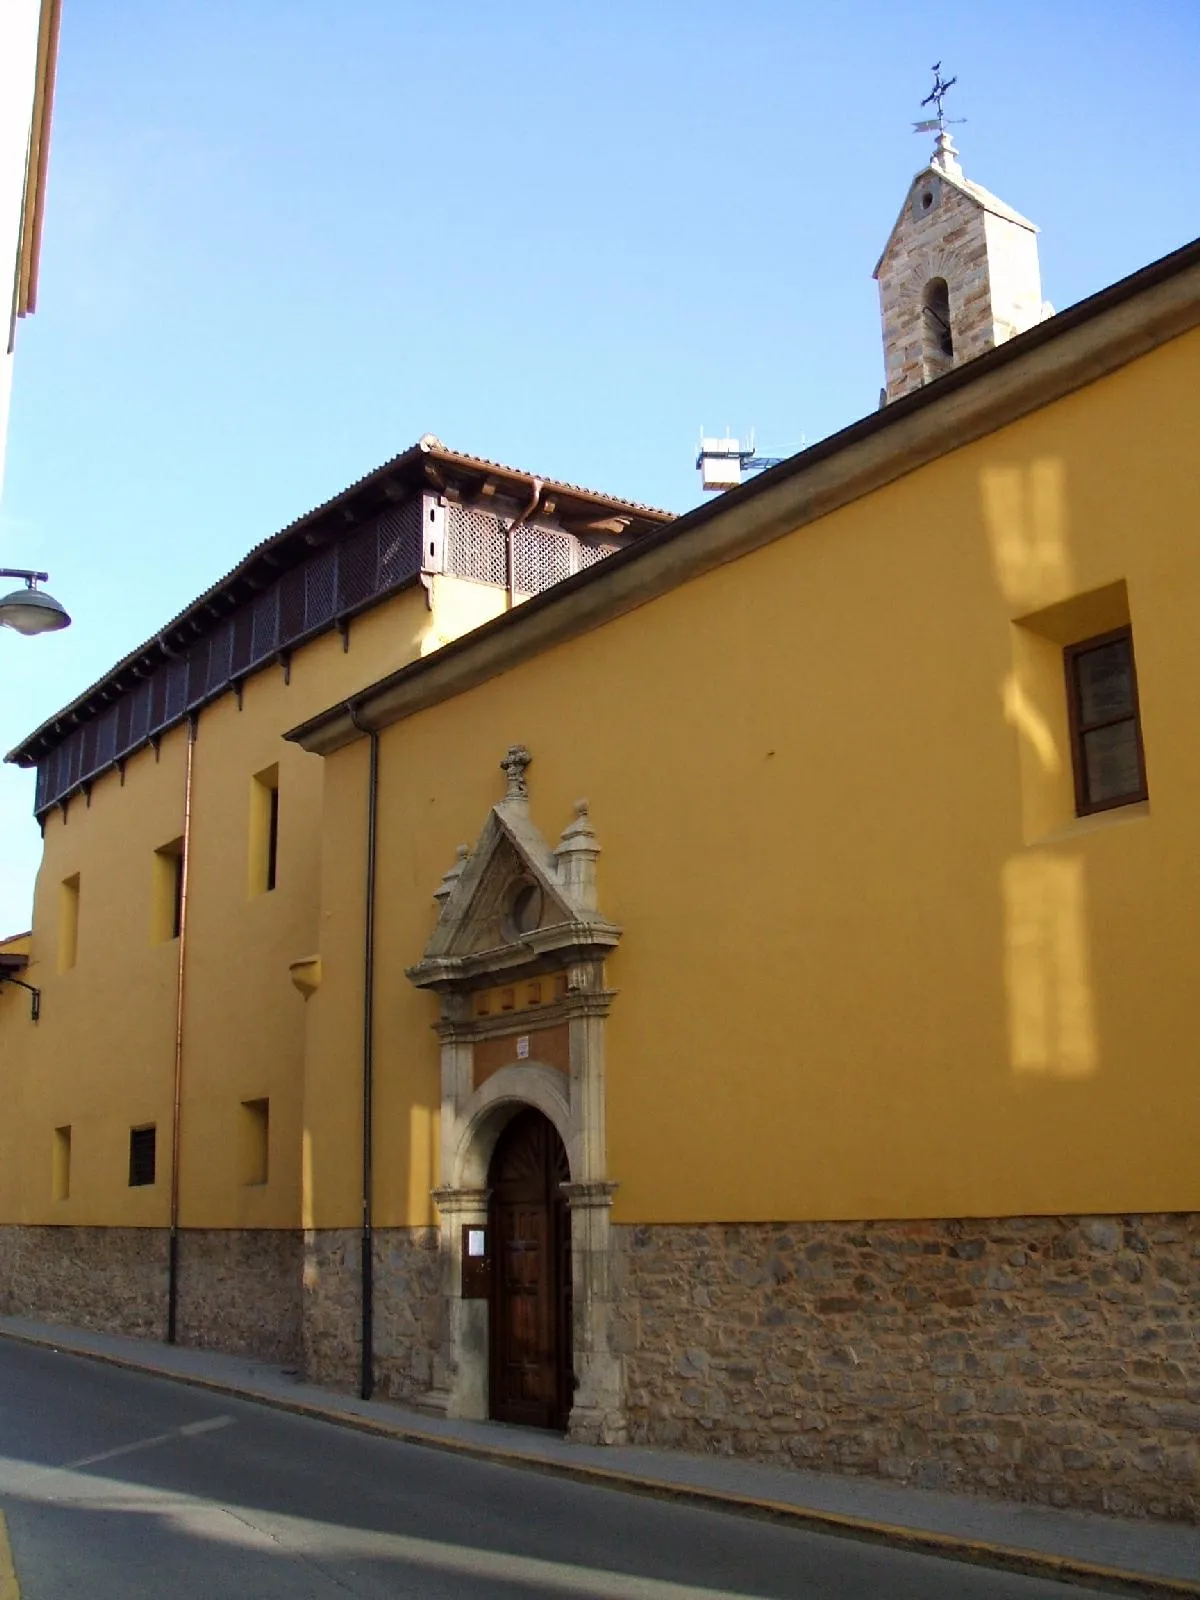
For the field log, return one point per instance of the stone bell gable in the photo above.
(959, 275)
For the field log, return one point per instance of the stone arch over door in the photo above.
(517, 961)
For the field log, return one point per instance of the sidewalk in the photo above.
(1137, 1557)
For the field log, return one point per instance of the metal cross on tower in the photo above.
(935, 97)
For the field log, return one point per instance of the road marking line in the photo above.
(191, 1429)
(10, 1589)
(188, 1431)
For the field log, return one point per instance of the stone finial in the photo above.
(513, 766)
(945, 156)
(575, 859)
(446, 888)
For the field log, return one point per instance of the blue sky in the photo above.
(283, 241)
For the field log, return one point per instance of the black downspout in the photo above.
(367, 1256)
(177, 1089)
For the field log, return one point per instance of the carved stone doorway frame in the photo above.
(517, 960)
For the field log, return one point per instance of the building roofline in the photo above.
(1066, 352)
(428, 464)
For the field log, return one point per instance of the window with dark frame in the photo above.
(141, 1156)
(176, 895)
(1106, 733)
(272, 835)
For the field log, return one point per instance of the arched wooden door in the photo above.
(530, 1313)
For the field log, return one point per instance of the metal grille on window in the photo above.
(141, 1156)
(175, 673)
(124, 718)
(291, 605)
(356, 569)
(589, 554)
(540, 558)
(106, 740)
(75, 745)
(220, 655)
(88, 757)
(320, 582)
(243, 639)
(400, 545)
(475, 545)
(264, 624)
(139, 720)
(197, 671)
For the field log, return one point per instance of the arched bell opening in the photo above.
(937, 329)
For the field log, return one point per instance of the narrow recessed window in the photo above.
(1106, 733)
(255, 1141)
(141, 1156)
(60, 1171)
(272, 835)
(167, 908)
(937, 334)
(68, 922)
(264, 831)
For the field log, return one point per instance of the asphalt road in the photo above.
(117, 1486)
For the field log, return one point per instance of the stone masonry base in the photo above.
(1045, 1359)
(408, 1309)
(238, 1289)
(239, 1292)
(1051, 1359)
(113, 1280)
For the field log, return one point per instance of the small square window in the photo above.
(1106, 733)
(141, 1156)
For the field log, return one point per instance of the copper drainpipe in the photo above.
(184, 866)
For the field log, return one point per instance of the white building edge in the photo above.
(28, 55)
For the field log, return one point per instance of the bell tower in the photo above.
(959, 273)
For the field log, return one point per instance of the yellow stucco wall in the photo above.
(872, 964)
(101, 1059)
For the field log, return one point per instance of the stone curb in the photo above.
(948, 1546)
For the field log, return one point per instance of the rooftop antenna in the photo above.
(722, 462)
(944, 153)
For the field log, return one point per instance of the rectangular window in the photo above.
(60, 1177)
(68, 922)
(167, 907)
(272, 834)
(1106, 734)
(264, 831)
(141, 1156)
(255, 1140)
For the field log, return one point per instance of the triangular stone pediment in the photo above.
(512, 899)
(955, 183)
(488, 906)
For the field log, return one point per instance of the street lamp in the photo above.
(31, 610)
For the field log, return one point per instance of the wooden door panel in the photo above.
(530, 1306)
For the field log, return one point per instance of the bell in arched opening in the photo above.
(938, 334)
